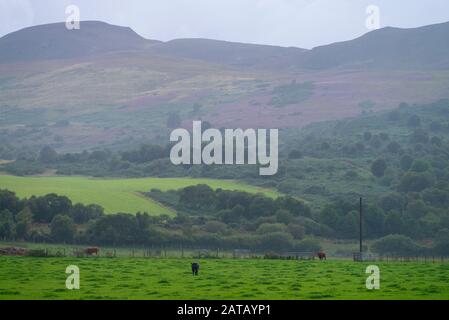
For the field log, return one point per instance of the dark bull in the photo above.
(195, 268)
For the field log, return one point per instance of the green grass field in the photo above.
(140, 278)
(115, 195)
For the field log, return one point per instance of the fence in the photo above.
(195, 253)
(357, 256)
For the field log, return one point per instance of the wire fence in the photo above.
(199, 253)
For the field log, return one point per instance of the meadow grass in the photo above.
(158, 278)
(115, 195)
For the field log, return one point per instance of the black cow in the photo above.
(195, 268)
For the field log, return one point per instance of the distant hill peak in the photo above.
(55, 41)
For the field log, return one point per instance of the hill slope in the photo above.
(231, 53)
(106, 86)
(417, 48)
(55, 41)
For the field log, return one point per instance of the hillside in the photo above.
(230, 53)
(417, 48)
(106, 86)
(55, 41)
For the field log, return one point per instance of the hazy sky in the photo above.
(301, 23)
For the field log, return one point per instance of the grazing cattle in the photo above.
(91, 251)
(321, 255)
(195, 268)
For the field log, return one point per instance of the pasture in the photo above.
(114, 195)
(170, 278)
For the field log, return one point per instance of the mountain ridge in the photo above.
(389, 47)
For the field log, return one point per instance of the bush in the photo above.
(378, 167)
(278, 241)
(442, 242)
(416, 182)
(396, 245)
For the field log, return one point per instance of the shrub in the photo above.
(396, 245)
(378, 167)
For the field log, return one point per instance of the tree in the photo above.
(442, 242)
(406, 162)
(416, 209)
(279, 241)
(378, 167)
(284, 216)
(296, 230)
(436, 197)
(215, 227)
(393, 147)
(62, 229)
(373, 221)
(9, 201)
(347, 226)
(392, 201)
(376, 141)
(7, 226)
(24, 220)
(414, 121)
(82, 214)
(197, 197)
(420, 165)
(436, 141)
(46, 207)
(393, 223)
(396, 245)
(416, 182)
(294, 206)
(271, 227)
(261, 206)
(48, 155)
(120, 228)
(419, 136)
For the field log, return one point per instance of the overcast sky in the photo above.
(300, 23)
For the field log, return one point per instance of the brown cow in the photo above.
(91, 251)
(321, 255)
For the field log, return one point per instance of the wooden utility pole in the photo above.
(360, 227)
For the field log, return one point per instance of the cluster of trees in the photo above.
(142, 229)
(18, 216)
(54, 218)
(219, 219)
(393, 213)
(400, 245)
(236, 205)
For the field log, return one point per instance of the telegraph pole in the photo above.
(360, 227)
